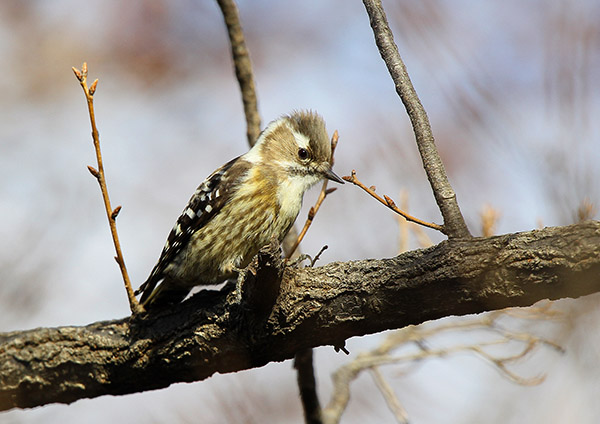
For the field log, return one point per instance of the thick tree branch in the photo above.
(454, 223)
(211, 332)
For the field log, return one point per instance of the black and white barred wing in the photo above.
(207, 200)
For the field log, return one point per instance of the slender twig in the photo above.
(387, 201)
(99, 175)
(243, 68)
(314, 209)
(445, 197)
(318, 255)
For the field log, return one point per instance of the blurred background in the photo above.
(511, 89)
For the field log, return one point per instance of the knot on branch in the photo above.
(259, 284)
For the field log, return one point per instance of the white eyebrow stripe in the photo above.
(254, 154)
(301, 139)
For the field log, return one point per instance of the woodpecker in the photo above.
(240, 207)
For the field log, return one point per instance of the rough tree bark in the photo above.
(228, 331)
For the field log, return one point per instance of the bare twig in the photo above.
(387, 201)
(100, 177)
(454, 223)
(318, 255)
(313, 210)
(243, 68)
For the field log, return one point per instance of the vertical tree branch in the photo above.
(303, 362)
(454, 223)
(243, 68)
(243, 72)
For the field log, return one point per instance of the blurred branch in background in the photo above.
(421, 337)
(489, 220)
(553, 135)
(586, 210)
(405, 227)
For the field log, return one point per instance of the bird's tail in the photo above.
(165, 294)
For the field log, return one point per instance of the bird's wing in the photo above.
(208, 199)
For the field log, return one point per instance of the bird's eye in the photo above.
(302, 153)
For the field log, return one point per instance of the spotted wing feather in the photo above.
(207, 200)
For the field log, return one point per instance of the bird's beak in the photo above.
(330, 175)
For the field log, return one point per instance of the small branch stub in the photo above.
(94, 172)
(260, 283)
(115, 213)
(389, 201)
(93, 87)
(77, 73)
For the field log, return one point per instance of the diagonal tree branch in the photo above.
(454, 223)
(213, 332)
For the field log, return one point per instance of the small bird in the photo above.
(240, 207)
